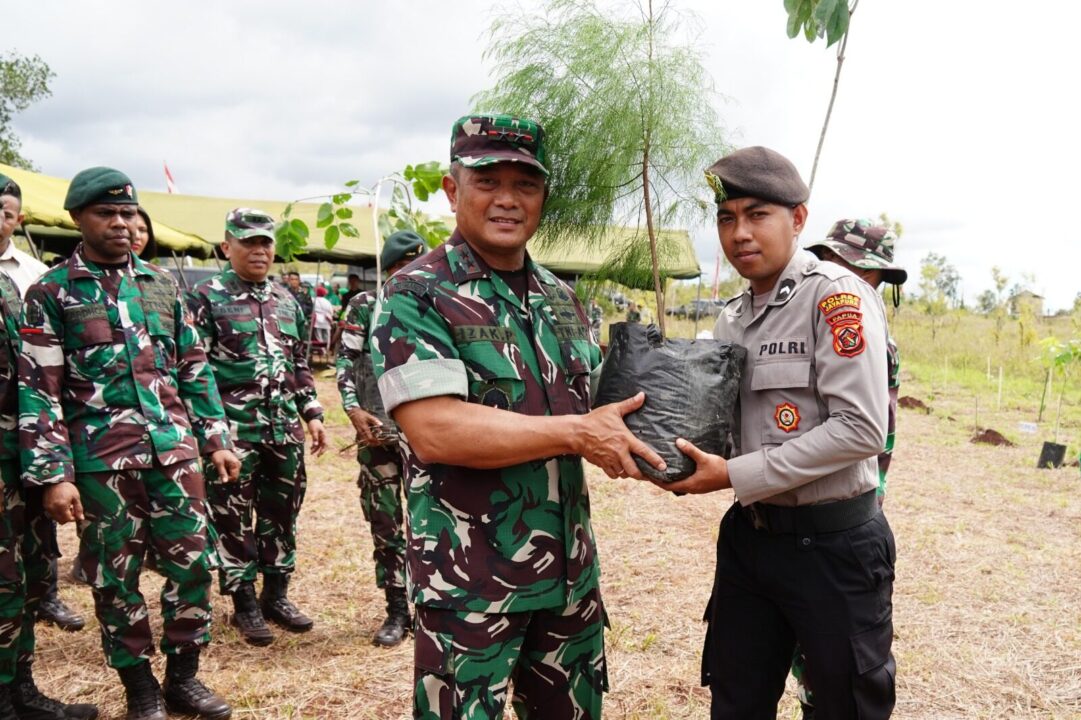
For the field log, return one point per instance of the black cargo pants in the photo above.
(830, 592)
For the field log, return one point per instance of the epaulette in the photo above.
(406, 283)
(831, 270)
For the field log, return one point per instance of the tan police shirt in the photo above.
(813, 399)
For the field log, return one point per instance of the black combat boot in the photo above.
(185, 695)
(52, 609)
(7, 712)
(143, 692)
(30, 704)
(248, 618)
(398, 622)
(277, 607)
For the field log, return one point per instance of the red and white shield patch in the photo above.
(787, 417)
(848, 339)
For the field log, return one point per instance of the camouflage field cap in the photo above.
(247, 222)
(865, 245)
(757, 172)
(100, 185)
(10, 187)
(479, 140)
(402, 245)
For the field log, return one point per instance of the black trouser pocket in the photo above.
(873, 683)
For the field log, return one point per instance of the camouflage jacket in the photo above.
(11, 306)
(893, 378)
(356, 375)
(254, 336)
(511, 539)
(107, 384)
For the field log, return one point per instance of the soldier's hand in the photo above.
(62, 503)
(605, 441)
(319, 437)
(710, 473)
(363, 422)
(227, 465)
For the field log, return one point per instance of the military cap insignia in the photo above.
(716, 186)
(787, 417)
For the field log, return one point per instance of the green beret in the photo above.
(399, 246)
(757, 172)
(100, 185)
(479, 140)
(10, 187)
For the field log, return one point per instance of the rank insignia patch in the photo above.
(848, 339)
(787, 417)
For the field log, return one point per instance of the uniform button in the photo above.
(806, 541)
(146, 436)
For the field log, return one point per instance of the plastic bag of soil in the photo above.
(691, 389)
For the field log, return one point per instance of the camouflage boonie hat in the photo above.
(246, 222)
(100, 185)
(865, 245)
(479, 140)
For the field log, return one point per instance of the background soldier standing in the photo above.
(380, 460)
(484, 360)
(116, 404)
(24, 269)
(24, 562)
(805, 555)
(255, 338)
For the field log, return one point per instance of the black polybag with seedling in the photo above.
(691, 387)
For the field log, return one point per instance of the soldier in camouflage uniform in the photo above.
(24, 269)
(380, 461)
(867, 250)
(117, 403)
(254, 336)
(484, 359)
(24, 562)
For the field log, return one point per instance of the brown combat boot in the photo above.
(248, 619)
(398, 622)
(277, 607)
(143, 693)
(185, 695)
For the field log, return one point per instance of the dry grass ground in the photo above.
(988, 608)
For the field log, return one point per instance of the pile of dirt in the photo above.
(910, 403)
(987, 436)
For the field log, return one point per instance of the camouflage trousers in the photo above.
(464, 663)
(27, 543)
(380, 483)
(128, 512)
(255, 518)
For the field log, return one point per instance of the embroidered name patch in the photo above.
(787, 417)
(483, 333)
(839, 300)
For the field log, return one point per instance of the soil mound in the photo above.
(910, 403)
(988, 436)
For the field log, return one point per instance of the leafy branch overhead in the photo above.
(335, 215)
(23, 81)
(818, 19)
(628, 114)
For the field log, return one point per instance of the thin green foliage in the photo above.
(627, 109)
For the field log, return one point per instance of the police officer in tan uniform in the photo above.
(804, 554)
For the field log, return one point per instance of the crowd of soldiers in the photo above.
(171, 427)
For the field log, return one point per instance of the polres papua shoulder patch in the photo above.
(787, 416)
(848, 339)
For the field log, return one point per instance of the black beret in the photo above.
(757, 172)
(10, 187)
(100, 185)
(399, 246)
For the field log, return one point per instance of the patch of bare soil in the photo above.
(987, 436)
(910, 403)
(986, 609)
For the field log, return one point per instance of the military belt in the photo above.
(822, 518)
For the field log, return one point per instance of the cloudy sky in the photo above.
(957, 118)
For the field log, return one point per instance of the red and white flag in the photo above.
(170, 184)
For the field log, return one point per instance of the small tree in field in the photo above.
(628, 117)
(938, 288)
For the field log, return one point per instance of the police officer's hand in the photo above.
(227, 465)
(61, 502)
(363, 422)
(319, 437)
(710, 473)
(605, 441)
